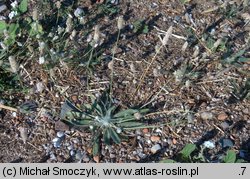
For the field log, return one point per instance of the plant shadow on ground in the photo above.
(245, 147)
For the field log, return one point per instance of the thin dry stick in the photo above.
(8, 108)
(145, 72)
(204, 45)
(177, 135)
(164, 43)
(218, 129)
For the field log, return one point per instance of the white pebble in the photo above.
(60, 134)
(209, 144)
(155, 148)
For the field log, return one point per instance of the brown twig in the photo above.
(8, 108)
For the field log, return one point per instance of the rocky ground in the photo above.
(196, 87)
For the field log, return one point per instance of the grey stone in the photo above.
(155, 148)
(224, 125)
(3, 8)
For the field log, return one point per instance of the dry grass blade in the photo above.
(8, 108)
(167, 36)
(164, 43)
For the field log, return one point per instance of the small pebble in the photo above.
(174, 141)
(158, 130)
(52, 156)
(60, 158)
(14, 114)
(155, 148)
(3, 8)
(78, 12)
(155, 138)
(149, 142)
(209, 144)
(206, 115)
(96, 158)
(226, 143)
(112, 155)
(52, 132)
(57, 144)
(60, 134)
(145, 131)
(245, 111)
(89, 150)
(224, 125)
(79, 155)
(190, 118)
(115, 2)
(156, 72)
(142, 155)
(72, 153)
(85, 158)
(70, 147)
(39, 87)
(222, 116)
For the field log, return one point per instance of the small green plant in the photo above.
(192, 153)
(108, 8)
(9, 82)
(230, 157)
(104, 119)
(239, 92)
(140, 27)
(185, 153)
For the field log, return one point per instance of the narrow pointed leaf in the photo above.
(67, 107)
(82, 122)
(126, 113)
(131, 124)
(107, 137)
(114, 136)
(96, 148)
(110, 110)
(167, 161)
